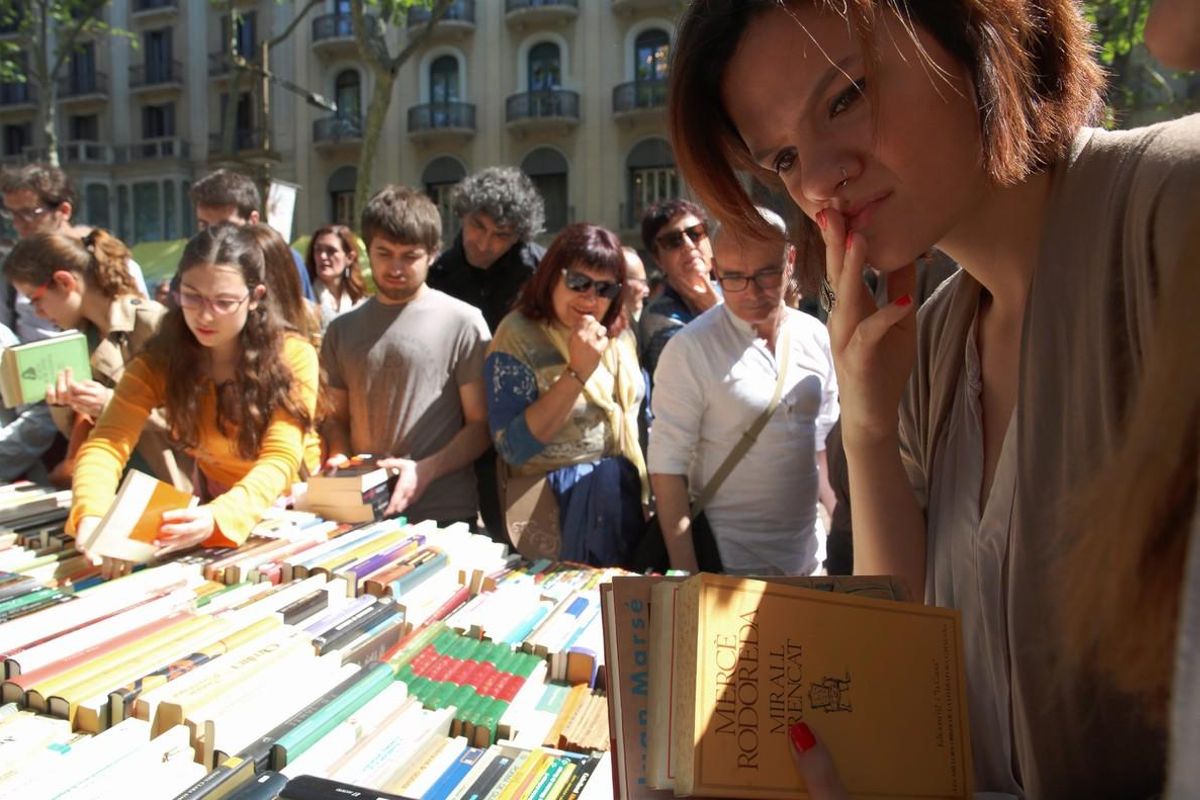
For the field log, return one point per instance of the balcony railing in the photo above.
(79, 152)
(459, 11)
(639, 95)
(437, 116)
(154, 5)
(166, 147)
(155, 73)
(83, 84)
(330, 130)
(332, 26)
(545, 104)
(527, 5)
(17, 94)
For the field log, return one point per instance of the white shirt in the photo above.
(333, 306)
(714, 378)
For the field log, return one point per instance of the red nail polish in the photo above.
(905, 301)
(822, 221)
(802, 737)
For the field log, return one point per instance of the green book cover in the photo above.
(26, 369)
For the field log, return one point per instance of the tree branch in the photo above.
(278, 40)
(371, 45)
(67, 46)
(439, 10)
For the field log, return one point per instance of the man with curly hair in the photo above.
(494, 254)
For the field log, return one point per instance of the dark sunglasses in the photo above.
(673, 240)
(578, 282)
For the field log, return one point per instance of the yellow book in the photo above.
(880, 682)
(523, 776)
(358, 553)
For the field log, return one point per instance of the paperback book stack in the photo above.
(357, 491)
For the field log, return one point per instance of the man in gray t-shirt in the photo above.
(405, 369)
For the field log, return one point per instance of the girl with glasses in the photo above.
(236, 388)
(896, 127)
(564, 395)
(86, 285)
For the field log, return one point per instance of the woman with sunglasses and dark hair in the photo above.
(564, 393)
(676, 232)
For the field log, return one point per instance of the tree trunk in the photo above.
(46, 85)
(377, 111)
(49, 101)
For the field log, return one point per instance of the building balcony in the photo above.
(632, 6)
(78, 153)
(437, 121)
(221, 66)
(546, 109)
(145, 9)
(156, 75)
(333, 34)
(639, 99)
(333, 132)
(458, 21)
(522, 13)
(248, 147)
(15, 96)
(83, 88)
(156, 149)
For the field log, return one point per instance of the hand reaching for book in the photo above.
(814, 764)
(89, 398)
(184, 528)
(410, 484)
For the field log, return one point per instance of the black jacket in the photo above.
(493, 290)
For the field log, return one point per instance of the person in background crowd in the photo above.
(26, 433)
(283, 287)
(715, 378)
(491, 259)
(406, 369)
(162, 292)
(564, 390)
(638, 286)
(85, 285)
(228, 196)
(963, 125)
(494, 254)
(334, 271)
(676, 233)
(39, 198)
(237, 389)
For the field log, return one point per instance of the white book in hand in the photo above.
(128, 530)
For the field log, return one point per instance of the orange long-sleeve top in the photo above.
(254, 484)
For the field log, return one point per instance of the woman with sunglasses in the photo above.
(564, 394)
(237, 389)
(675, 232)
(896, 127)
(86, 285)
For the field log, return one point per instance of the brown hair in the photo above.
(579, 243)
(52, 186)
(225, 187)
(403, 215)
(1031, 65)
(1122, 578)
(353, 283)
(263, 384)
(100, 259)
(283, 282)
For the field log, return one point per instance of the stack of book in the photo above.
(357, 491)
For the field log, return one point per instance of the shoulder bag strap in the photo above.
(751, 435)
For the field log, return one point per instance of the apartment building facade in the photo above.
(571, 91)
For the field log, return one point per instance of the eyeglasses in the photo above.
(24, 214)
(766, 279)
(37, 294)
(221, 306)
(673, 240)
(578, 282)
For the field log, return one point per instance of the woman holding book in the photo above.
(897, 127)
(564, 394)
(336, 276)
(237, 388)
(85, 285)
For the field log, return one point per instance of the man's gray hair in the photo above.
(507, 195)
(774, 221)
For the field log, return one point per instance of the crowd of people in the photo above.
(579, 405)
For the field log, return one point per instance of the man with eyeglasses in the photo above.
(715, 378)
(675, 232)
(39, 198)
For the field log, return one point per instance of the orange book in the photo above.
(131, 525)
